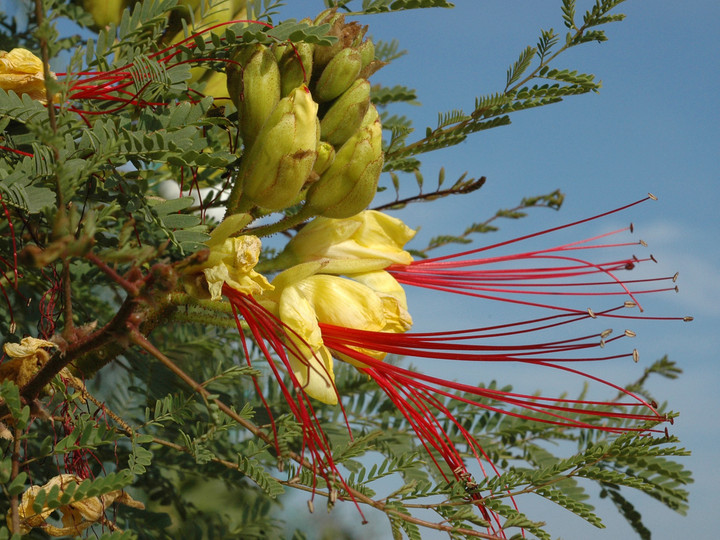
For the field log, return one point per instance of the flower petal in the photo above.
(310, 360)
(368, 235)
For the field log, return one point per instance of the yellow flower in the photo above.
(369, 235)
(229, 262)
(22, 72)
(303, 300)
(26, 358)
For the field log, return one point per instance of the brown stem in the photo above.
(113, 331)
(477, 184)
(141, 341)
(130, 287)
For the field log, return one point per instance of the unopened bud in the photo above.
(215, 85)
(296, 67)
(255, 89)
(325, 157)
(350, 183)
(348, 36)
(367, 52)
(281, 160)
(371, 116)
(105, 12)
(346, 115)
(338, 75)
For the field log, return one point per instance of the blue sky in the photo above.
(653, 127)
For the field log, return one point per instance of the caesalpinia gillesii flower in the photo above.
(344, 302)
(369, 235)
(76, 516)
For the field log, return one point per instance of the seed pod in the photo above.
(281, 160)
(349, 185)
(338, 75)
(344, 117)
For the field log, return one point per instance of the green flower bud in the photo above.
(255, 89)
(329, 15)
(367, 52)
(343, 118)
(277, 166)
(279, 49)
(338, 75)
(325, 157)
(350, 183)
(202, 14)
(296, 68)
(370, 116)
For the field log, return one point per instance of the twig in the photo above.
(67, 304)
(477, 184)
(130, 288)
(110, 333)
(61, 216)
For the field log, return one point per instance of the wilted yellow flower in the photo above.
(367, 235)
(76, 516)
(22, 72)
(26, 358)
(229, 262)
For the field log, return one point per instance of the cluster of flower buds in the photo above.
(308, 126)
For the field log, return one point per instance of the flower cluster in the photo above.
(341, 299)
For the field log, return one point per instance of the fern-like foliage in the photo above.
(493, 110)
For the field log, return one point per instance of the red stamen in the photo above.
(110, 86)
(267, 330)
(565, 276)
